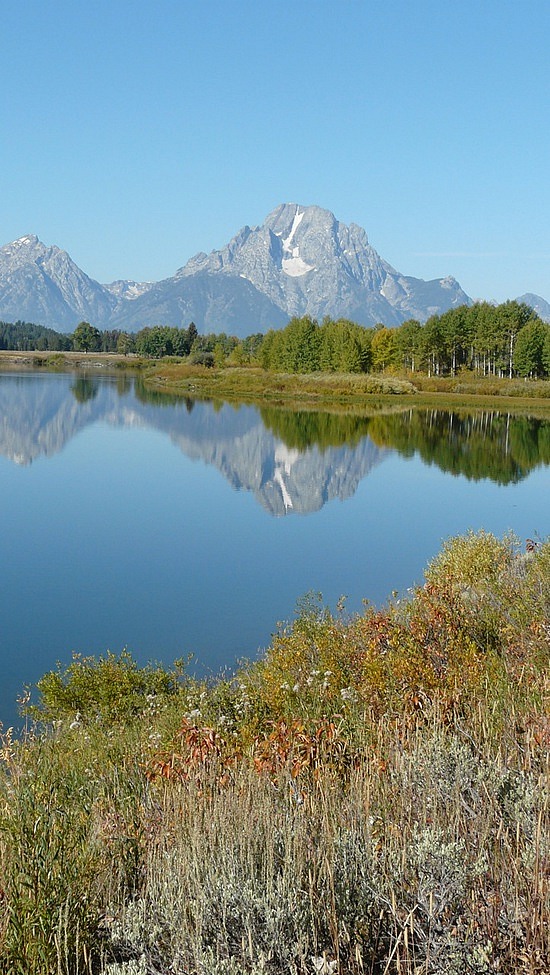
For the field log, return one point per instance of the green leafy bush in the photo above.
(106, 688)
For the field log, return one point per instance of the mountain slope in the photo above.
(214, 303)
(307, 262)
(538, 304)
(43, 285)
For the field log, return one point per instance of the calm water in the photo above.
(176, 528)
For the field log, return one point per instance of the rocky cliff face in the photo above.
(300, 261)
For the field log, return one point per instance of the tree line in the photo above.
(491, 340)
(154, 342)
(509, 339)
(22, 336)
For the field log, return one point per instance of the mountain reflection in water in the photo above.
(292, 461)
(118, 530)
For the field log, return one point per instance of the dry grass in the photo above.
(321, 390)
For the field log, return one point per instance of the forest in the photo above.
(503, 340)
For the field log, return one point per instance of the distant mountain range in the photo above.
(539, 304)
(300, 261)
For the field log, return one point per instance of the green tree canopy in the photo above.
(86, 338)
(384, 348)
(528, 357)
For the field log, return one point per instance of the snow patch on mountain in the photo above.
(294, 266)
(298, 217)
(128, 290)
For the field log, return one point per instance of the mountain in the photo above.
(308, 263)
(300, 261)
(128, 289)
(43, 285)
(540, 305)
(216, 303)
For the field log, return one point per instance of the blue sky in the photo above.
(135, 134)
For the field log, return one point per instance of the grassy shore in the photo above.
(316, 390)
(371, 796)
(256, 385)
(67, 361)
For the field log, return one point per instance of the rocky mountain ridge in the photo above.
(300, 261)
(308, 263)
(41, 284)
(540, 305)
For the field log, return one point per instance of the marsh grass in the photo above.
(253, 384)
(370, 797)
(474, 385)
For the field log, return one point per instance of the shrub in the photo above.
(107, 688)
(200, 358)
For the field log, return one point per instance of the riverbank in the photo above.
(325, 390)
(60, 361)
(315, 391)
(254, 384)
(371, 795)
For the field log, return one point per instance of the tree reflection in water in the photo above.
(483, 444)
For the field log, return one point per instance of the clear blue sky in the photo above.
(134, 134)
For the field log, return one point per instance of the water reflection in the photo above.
(292, 461)
(485, 444)
(123, 532)
(84, 389)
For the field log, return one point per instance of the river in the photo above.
(176, 527)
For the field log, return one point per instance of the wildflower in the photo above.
(193, 715)
(322, 966)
